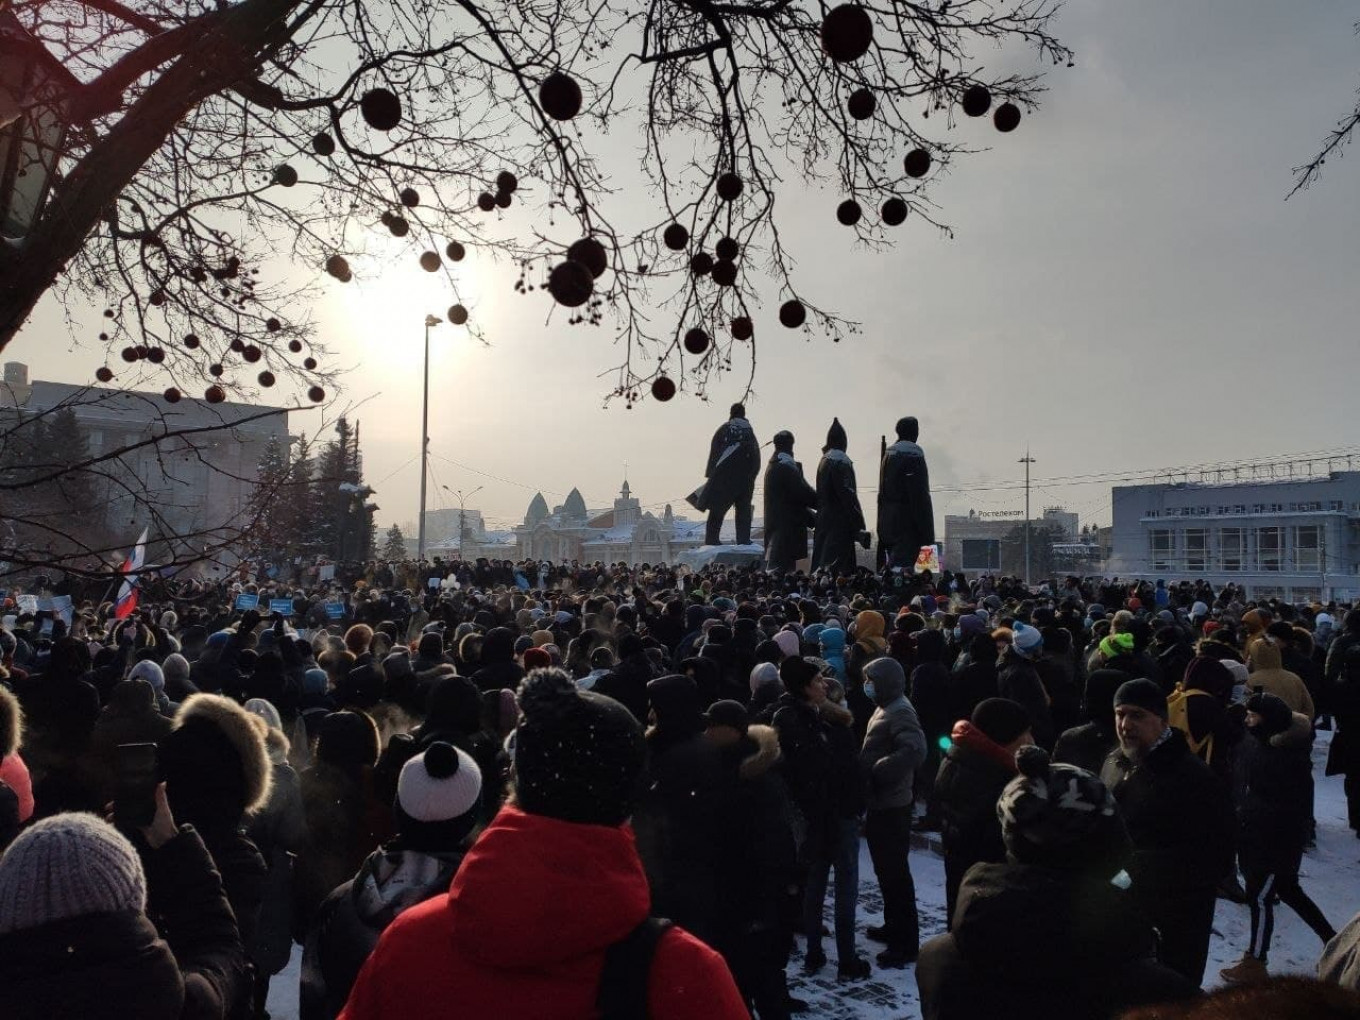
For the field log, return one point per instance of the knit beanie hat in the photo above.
(65, 866)
(1142, 693)
(537, 658)
(788, 642)
(175, 667)
(796, 673)
(1115, 645)
(438, 792)
(764, 673)
(1211, 675)
(397, 665)
(314, 681)
(1001, 720)
(578, 755)
(1059, 816)
(150, 672)
(1027, 640)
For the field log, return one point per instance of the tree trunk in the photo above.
(223, 54)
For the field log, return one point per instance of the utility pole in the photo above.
(430, 320)
(1026, 460)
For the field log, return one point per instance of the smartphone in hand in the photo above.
(134, 801)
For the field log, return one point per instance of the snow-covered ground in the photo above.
(1331, 875)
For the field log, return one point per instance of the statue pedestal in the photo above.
(722, 556)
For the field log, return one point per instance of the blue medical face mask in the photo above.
(869, 689)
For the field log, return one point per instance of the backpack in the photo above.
(1178, 717)
(627, 968)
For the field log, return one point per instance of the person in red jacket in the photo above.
(551, 885)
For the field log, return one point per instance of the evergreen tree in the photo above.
(343, 523)
(270, 535)
(395, 547)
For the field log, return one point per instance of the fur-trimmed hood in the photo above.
(11, 723)
(765, 754)
(1299, 734)
(241, 730)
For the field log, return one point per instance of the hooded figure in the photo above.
(733, 463)
(906, 518)
(789, 503)
(839, 516)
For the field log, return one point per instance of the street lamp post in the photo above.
(462, 501)
(1026, 460)
(430, 320)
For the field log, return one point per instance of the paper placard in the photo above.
(244, 601)
(928, 559)
(335, 610)
(281, 606)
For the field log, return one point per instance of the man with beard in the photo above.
(1180, 820)
(840, 520)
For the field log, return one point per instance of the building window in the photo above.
(1163, 547)
(1230, 550)
(1308, 548)
(1196, 550)
(1268, 549)
(981, 554)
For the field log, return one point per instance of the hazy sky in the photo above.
(1127, 290)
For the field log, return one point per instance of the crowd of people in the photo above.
(588, 790)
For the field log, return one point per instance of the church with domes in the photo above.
(624, 533)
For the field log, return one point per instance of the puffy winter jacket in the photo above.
(523, 931)
(894, 744)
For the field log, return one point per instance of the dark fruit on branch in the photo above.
(675, 237)
(337, 266)
(663, 388)
(849, 212)
(742, 328)
(104, 374)
(560, 96)
(861, 104)
(285, 175)
(214, 394)
(591, 254)
(129, 354)
(323, 144)
(977, 100)
(141, 350)
(503, 199)
(316, 394)
(155, 355)
(570, 284)
(727, 248)
(455, 251)
(410, 197)
(172, 395)
(157, 297)
(398, 226)
(238, 345)
(309, 364)
(1007, 117)
(486, 201)
(252, 354)
(295, 346)
(458, 314)
(506, 182)
(729, 187)
(701, 263)
(273, 325)
(381, 108)
(191, 342)
(429, 261)
(724, 272)
(266, 378)
(917, 163)
(215, 371)
(847, 33)
(894, 212)
(696, 341)
(792, 314)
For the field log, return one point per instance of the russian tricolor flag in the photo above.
(127, 594)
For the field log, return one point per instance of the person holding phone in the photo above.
(95, 927)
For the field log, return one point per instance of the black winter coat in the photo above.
(1086, 746)
(820, 766)
(1179, 816)
(840, 518)
(974, 772)
(1032, 943)
(789, 504)
(118, 965)
(1276, 782)
(1018, 679)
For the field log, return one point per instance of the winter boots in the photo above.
(1247, 971)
